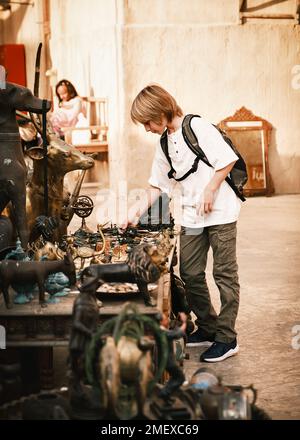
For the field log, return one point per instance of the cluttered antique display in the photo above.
(59, 285)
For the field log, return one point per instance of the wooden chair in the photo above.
(93, 139)
(95, 133)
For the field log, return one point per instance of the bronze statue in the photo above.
(144, 266)
(62, 158)
(119, 363)
(176, 374)
(12, 165)
(33, 272)
(85, 318)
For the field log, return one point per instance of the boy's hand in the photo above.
(182, 316)
(136, 211)
(206, 205)
(208, 195)
(123, 225)
(131, 220)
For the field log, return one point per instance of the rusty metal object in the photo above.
(84, 252)
(47, 251)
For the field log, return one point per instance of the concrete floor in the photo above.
(269, 263)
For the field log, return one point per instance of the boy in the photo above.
(210, 210)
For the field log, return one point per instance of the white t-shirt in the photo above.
(187, 193)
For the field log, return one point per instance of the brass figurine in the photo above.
(33, 272)
(140, 269)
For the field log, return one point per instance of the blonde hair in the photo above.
(153, 102)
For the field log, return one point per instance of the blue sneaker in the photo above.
(220, 351)
(199, 338)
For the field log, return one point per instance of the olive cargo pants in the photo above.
(193, 258)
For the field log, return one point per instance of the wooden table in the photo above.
(31, 326)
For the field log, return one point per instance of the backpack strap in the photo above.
(164, 146)
(191, 139)
(192, 142)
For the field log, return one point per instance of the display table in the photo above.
(30, 326)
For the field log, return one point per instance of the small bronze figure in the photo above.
(23, 290)
(33, 272)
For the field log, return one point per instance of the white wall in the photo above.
(195, 48)
(23, 25)
(213, 71)
(179, 12)
(85, 49)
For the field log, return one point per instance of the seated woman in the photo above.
(71, 111)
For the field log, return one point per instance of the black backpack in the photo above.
(237, 177)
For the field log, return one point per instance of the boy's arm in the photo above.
(141, 206)
(220, 156)
(210, 189)
(158, 183)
